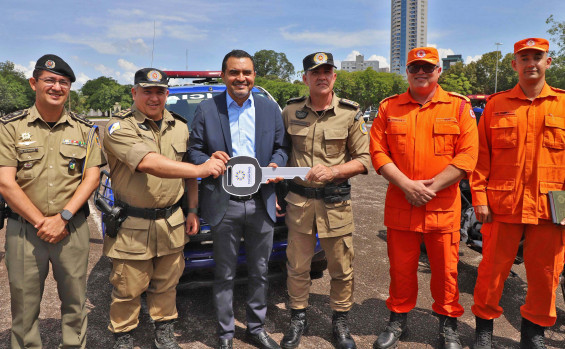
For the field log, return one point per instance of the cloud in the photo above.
(383, 63)
(127, 66)
(443, 52)
(82, 78)
(351, 56)
(106, 71)
(471, 59)
(185, 32)
(125, 30)
(28, 71)
(136, 46)
(336, 38)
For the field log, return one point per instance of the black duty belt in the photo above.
(246, 197)
(307, 192)
(149, 213)
(84, 209)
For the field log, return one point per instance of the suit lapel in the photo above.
(260, 125)
(222, 106)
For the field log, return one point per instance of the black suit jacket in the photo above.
(211, 132)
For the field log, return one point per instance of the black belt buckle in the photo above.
(242, 198)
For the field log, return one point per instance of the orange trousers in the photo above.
(543, 259)
(404, 253)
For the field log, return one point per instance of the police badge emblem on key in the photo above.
(244, 176)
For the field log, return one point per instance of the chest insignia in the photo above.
(301, 114)
(114, 127)
(73, 142)
(143, 127)
(26, 136)
(26, 143)
(28, 165)
(28, 150)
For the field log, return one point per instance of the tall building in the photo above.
(359, 64)
(451, 60)
(408, 29)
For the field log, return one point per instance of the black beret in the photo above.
(314, 60)
(147, 77)
(55, 64)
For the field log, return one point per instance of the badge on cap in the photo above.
(320, 58)
(154, 76)
(421, 54)
(531, 42)
(49, 64)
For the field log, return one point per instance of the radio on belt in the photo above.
(244, 176)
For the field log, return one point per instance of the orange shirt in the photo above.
(422, 141)
(522, 154)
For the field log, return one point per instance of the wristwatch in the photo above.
(193, 210)
(66, 215)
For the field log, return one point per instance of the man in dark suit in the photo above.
(233, 124)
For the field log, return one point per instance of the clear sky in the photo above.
(115, 38)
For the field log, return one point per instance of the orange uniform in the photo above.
(422, 141)
(521, 158)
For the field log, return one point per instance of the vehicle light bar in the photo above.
(192, 74)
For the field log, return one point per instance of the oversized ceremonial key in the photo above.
(244, 176)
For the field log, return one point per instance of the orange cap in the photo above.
(533, 44)
(425, 54)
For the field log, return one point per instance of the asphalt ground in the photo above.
(196, 325)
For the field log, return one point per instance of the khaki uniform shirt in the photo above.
(127, 139)
(333, 138)
(49, 161)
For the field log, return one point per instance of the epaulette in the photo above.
(389, 97)
(14, 116)
(81, 119)
(455, 94)
(178, 116)
(296, 99)
(496, 93)
(123, 114)
(358, 115)
(349, 103)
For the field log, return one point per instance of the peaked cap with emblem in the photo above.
(314, 60)
(424, 54)
(532, 44)
(56, 65)
(148, 77)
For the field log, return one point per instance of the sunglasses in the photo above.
(427, 68)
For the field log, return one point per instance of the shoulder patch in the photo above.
(455, 94)
(296, 100)
(81, 119)
(14, 116)
(123, 114)
(358, 115)
(349, 103)
(497, 93)
(389, 97)
(178, 117)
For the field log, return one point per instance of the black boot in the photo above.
(123, 340)
(164, 335)
(298, 327)
(395, 329)
(448, 332)
(532, 336)
(341, 333)
(483, 333)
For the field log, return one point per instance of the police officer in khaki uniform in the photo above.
(49, 164)
(145, 146)
(329, 135)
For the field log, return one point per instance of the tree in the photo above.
(281, 90)
(103, 93)
(557, 32)
(15, 92)
(271, 64)
(456, 83)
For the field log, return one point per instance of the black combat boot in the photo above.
(123, 340)
(298, 327)
(448, 332)
(483, 333)
(395, 329)
(164, 335)
(532, 336)
(340, 331)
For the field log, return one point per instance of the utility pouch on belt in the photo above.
(337, 192)
(112, 217)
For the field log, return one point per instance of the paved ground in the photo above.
(196, 327)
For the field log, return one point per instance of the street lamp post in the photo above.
(496, 69)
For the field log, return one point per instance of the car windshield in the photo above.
(184, 103)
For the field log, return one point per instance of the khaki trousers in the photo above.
(339, 252)
(27, 261)
(158, 276)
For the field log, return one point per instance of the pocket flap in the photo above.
(30, 153)
(180, 147)
(446, 128)
(396, 126)
(504, 122)
(440, 204)
(176, 218)
(72, 151)
(136, 223)
(297, 130)
(335, 133)
(546, 187)
(295, 199)
(554, 121)
(501, 184)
